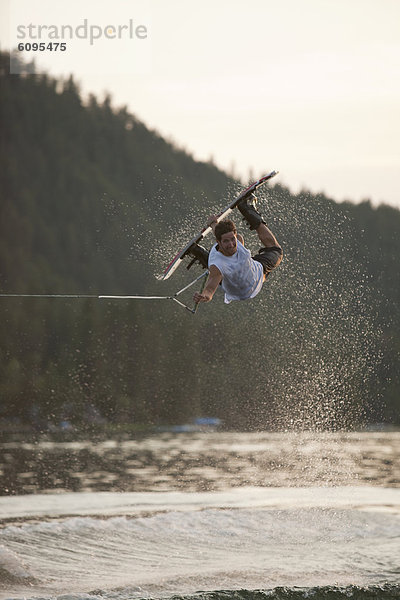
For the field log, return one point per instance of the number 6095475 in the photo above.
(42, 46)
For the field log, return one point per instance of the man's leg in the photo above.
(266, 236)
(271, 254)
(255, 221)
(199, 254)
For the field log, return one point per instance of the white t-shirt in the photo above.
(242, 277)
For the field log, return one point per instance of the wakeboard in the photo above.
(176, 261)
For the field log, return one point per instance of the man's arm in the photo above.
(214, 279)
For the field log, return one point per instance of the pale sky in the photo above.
(307, 87)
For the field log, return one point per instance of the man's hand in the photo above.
(212, 222)
(204, 297)
(214, 279)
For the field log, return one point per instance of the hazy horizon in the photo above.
(311, 89)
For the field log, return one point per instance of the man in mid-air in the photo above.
(230, 263)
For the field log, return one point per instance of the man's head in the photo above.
(226, 235)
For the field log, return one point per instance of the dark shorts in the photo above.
(270, 258)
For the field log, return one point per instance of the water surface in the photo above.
(201, 462)
(241, 516)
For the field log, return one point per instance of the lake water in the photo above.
(204, 515)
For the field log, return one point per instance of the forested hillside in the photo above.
(93, 201)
